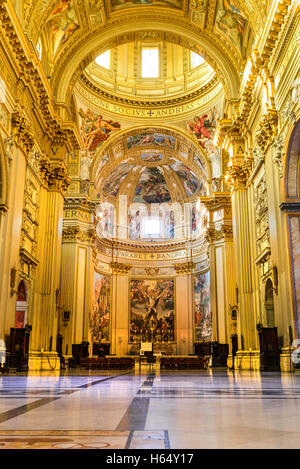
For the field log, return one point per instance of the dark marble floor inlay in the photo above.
(12, 413)
(136, 414)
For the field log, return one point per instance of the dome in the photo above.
(148, 69)
(157, 178)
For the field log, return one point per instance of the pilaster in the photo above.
(120, 307)
(77, 271)
(184, 307)
(47, 280)
(220, 239)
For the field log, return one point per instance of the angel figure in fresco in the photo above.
(63, 22)
(231, 21)
(98, 131)
(60, 7)
(199, 129)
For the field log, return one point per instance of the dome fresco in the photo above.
(112, 184)
(150, 166)
(157, 177)
(153, 184)
(152, 187)
(151, 139)
(191, 182)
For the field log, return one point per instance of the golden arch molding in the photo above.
(72, 64)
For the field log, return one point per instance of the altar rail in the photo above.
(183, 363)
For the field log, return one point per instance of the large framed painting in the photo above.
(152, 310)
(101, 312)
(202, 308)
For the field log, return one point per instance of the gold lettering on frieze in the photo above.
(151, 112)
(78, 214)
(147, 256)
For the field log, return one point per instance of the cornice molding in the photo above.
(153, 102)
(290, 206)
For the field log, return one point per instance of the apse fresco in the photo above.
(170, 225)
(107, 211)
(153, 139)
(195, 218)
(199, 162)
(95, 129)
(191, 182)
(202, 308)
(100, 319)
(152, 187)
(151, 157)
(152, 311)
(63, 22)
(135, 224)
(102, 163)
(118, 4)
(231, 21)
(112, 183)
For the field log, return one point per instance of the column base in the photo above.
(43, 361)
(245, 360)
(286, 362)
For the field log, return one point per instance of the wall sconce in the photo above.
(183, 339)
(120, 339)
(66, 317)
(275, 279)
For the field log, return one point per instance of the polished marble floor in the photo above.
(147, 408)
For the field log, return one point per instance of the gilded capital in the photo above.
(184, 268)
(238, 174)
(119, 268)
(23, 134)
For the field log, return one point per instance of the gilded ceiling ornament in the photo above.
(9, 143)
(278, 153)
(296, 91)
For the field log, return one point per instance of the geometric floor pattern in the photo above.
(82, 440)
(150, 409)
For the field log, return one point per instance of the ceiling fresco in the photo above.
(121, 4)
(151, 139)
(60, 24)
(70, 34)
(150, 175)
(152, 187)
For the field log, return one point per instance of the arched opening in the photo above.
(21, 306)
(291, 206)
(269, 303)
(3, 178)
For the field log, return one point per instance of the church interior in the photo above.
(149, 223)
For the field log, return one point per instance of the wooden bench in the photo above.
(184, 363)
(107, 363)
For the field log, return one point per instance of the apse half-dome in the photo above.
(157, 180)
